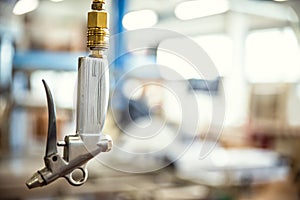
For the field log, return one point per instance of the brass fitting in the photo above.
(98, 5)
(97, 35)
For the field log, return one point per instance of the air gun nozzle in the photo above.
(35, 181)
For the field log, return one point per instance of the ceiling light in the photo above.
(56, 0)
(280, 0)
(139, 19)
(25, 6)
(200, 8)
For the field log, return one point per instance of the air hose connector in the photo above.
(98, 34)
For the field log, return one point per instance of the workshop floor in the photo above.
(283, 190)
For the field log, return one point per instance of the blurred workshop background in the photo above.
(254, 45)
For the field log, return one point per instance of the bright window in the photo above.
(219, 49)
(272, 55)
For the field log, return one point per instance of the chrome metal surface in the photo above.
(78, 150)
(51, 137)
(92, 94)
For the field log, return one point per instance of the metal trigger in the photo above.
(51, 147)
